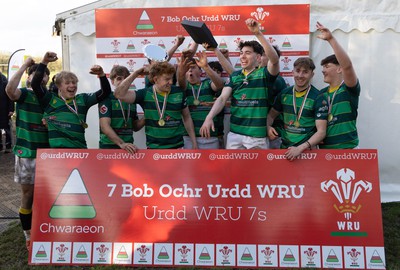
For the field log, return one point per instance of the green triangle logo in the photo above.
(144, 22)
(122, 254)
(289, 257)
(286, 43)
(41, 253)
(130, 46)
(204, 255)
(81, 254)
(376, 258)
(223, 45)
(332, 258)
(163, 254)
(246, 256)
(73, 201)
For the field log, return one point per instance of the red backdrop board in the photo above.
(208, 209)
(121, 33)
(223, 20)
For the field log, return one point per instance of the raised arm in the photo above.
(105, 88)
(349, 74)
(191, 51)
(273, 63)
(217, 82)
(223, 58)
(122, 91)
(183, 67)
(12, 89)
(179, 39)
(37, 86)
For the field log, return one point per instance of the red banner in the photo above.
(208, 208)
(122, 33)
(220, 20)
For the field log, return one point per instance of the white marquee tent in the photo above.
(368, 29)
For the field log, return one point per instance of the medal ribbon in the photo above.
(123, 113)
(196, 96)
(73, 110)
(160, 112)
(298, 115)
(245, 82)
(330, 102)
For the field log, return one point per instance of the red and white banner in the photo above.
(208, 208)
(121, 33)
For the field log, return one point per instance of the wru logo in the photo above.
(346, 190)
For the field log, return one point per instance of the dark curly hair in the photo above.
(257, 48)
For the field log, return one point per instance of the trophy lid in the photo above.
(199, 32)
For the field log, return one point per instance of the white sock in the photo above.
(27, 235)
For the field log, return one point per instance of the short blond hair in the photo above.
(65, 76)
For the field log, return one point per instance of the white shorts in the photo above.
(237, 141)
(24, 170)
(202, 143)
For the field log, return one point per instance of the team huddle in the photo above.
(183, 110)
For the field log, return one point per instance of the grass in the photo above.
(391, 232)
(13, 254)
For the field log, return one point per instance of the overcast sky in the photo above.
(28, 24)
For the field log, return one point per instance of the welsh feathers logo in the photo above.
(103, 252)
(143, 253)
(73, 201)
(115, 43)
(225, 251)
(268, 253)
(286, 60)
(260, 15)
(184, 253)
(346, 190)
(61, 250)
(131, 64)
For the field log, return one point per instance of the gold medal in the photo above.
(330, 100)
(299, 112)
(125, 116)
(74, 110)
(161, 121)
(196, 95)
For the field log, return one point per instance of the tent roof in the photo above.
(348, 15)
